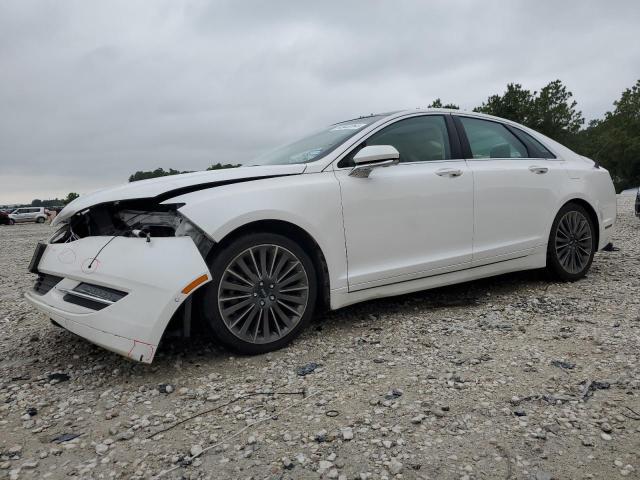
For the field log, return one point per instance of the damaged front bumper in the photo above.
(123, 297)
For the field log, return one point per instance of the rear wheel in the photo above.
(572, 243)
(262, 295)
(40, 220)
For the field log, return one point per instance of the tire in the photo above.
(40, 220)
(256, 276)
(12, 221)
(572, 243)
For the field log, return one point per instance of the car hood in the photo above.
(165, 187)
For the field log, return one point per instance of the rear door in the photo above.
(516, 189)
(413, 219)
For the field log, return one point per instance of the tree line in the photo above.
(161, 172)
(613, 140)
(54, 202)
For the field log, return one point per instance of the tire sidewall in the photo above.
(553, 263)
(209, 300)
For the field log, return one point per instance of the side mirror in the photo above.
(373, 156)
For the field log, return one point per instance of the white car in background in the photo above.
(28, 214)
(376, 206)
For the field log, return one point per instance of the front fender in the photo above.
(309, 201)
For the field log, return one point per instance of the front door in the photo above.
(413, 219)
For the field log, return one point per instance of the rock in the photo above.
(347, 433)
(395, 467)
(324, 465)
(587, 442)
(393, 394)
(605, 436)
(101, 448)
(15, 450)
(195, 450)
(287, 463)
(165, 388)
(418, 419)
(563, 364)
(251, 440)
(29, 464)
(126, 435)
(305, 370)
(58, 377)
(605, 427)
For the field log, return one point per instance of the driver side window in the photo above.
(417, 139)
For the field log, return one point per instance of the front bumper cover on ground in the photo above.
(153, 275)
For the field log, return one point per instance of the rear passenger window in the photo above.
(492, 140)
(542, 150)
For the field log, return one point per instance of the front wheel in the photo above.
(40, 220)
(572, 243)
(263, 293)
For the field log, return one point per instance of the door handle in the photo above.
(538, 170)
(449, 172)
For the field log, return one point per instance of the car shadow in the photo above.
(472, 293)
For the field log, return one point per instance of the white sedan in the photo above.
(367, 208)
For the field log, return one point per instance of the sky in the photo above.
(92, 91)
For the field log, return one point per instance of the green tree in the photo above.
(551, 112)
(437, 103)
(554, 113)
(220, 166)
(36, 202)
(158, 172)
(614, 141)
(515, 104)
(70, 198)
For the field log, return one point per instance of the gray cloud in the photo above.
(92, 91)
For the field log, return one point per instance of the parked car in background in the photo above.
(413, 199)
(5, 219)
(29, 214)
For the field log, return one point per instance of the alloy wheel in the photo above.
(263, 293)
(573, 242)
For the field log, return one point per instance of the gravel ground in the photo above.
(509, 377)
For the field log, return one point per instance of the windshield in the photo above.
(317, 145)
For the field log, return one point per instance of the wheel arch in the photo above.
(592, 215)
(294, 232)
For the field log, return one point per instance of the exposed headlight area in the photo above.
(134, 218)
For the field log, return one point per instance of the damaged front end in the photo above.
(116, 273)
(132, 218)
